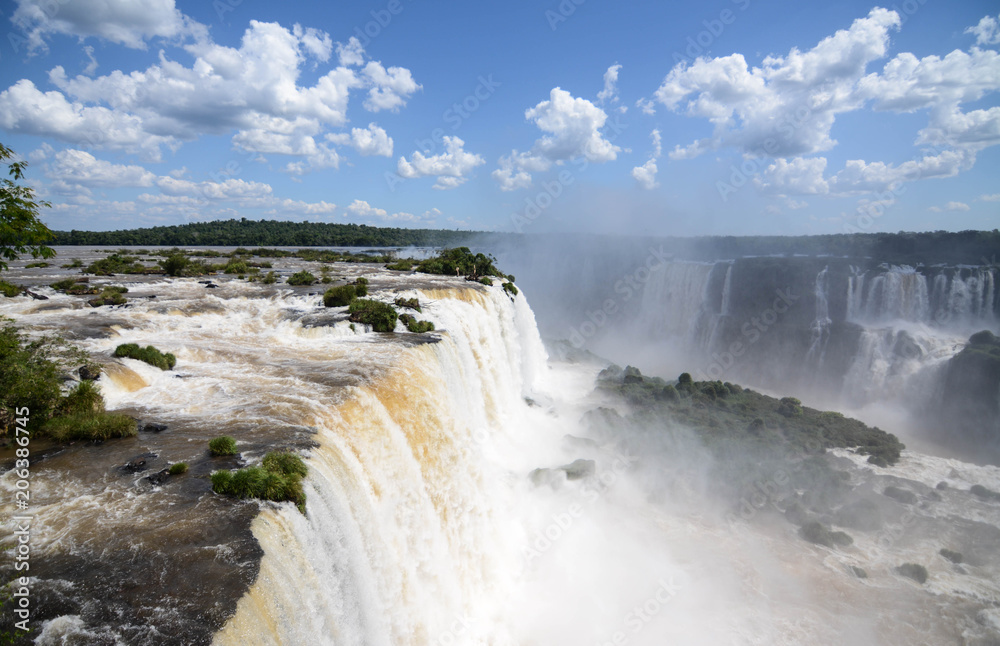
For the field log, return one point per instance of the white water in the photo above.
(422, 524)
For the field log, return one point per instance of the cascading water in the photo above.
(821, 325)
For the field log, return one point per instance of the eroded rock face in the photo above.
(968, 407)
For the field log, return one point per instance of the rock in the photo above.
(153, 427)
(859, 572)
(820, 534)
(900, 495)
(983, 493)
(89, 373)
(159, 477)
(579, 469)
(913, 571)
(951, 555)
(37, 297)
(541, 477)
(863, 514)
(139, 463)
(941, 486)
(211, 286)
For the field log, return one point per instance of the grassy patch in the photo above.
(37, 265)
(178, 468)
(116, 263)
(10, 290)
(111, 295)
(415, 326)
(149, 354)
(408, 303)
(342, 295)
(89, 426)
(279, 479)
(222, 446)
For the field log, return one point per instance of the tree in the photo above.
(21, 231)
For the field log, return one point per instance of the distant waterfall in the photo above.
(820, 331)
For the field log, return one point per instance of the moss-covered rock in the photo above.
(816, 532)
(380, 316)
(149, 354)
(913, 571)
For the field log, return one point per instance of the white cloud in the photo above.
(126, 22)
(390, 88)
(364, 210)
(225, 190)
(450, 167)
(987, 32)
(367, 141)
(995, 197)
(252, 90)
(950, 206)
(799, 176)
(646, 105)
(610, 92)
(352, 54)
(76, 167)
(92, 62)
(646, 174)
(573, 127)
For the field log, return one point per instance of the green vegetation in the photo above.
(9, 290)
(403, 264)
(116, 264)
(149, 354)
(510, 288)
(486, 280)
(301, 278)
(415, 326)
(222, 446)
(91, 426)
(110, 295)
(820, 534)
(21, 230)
(270, 279)
(380, 316)
(913, 571)
(175, 264)
(342, 295)
(279, 479)
(270, 233)
(178, 468)
(408, 303)
(460, 261)
(73, 264)
(37, 265)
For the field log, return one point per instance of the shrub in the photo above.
(409, 303)
(301, 278)
(406, 264)
(116, 264)
(178, 468)
(235, 266)
(149, 354)
(9, 289)
(36, 265)
(222, 446)
(913, 571)
(361, 280)
(175, 264)
(380, 316)
(270, 279)
(28, 376)
(279, 478)
(63, 285)
(510, 288)
(89, 426)
(460, 262)
(790, 407)
(340, 296)
(415, 326)
(80, 289)
(75, 264)
(84, 398)
(109, 296)
(486, 280)
(684, 379)
(669, 393)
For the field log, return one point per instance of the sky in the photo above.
(728, 117)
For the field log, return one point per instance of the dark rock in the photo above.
(159, 477)
(900, 495)
(153, 427)
(211, 286)
(951, 555)
(941, 486)
(859, 572)
(913, 571)
(89, 373)
(37, 297)
(820, 534)
(983, 493)
(139, 463)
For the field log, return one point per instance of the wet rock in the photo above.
(159, 477)
(37, 297)
(139, 463)
(859, 572)
(941, 486)
(820, 534)
(913, 571)
(89, 373)
(153, 427)
(983, 493)
(951, 555)
(900, 495)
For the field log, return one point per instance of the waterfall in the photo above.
(820, 330)
(675, 302)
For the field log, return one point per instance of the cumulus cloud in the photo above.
(451, 167)
(79, 168)
(987, 32)
(610, 92)
(995, 197)
(126, 22)
(364, 210)
(367, 141)
(646, 174)
(572, 128)
(252, 90)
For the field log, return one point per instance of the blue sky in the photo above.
(723, 118)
